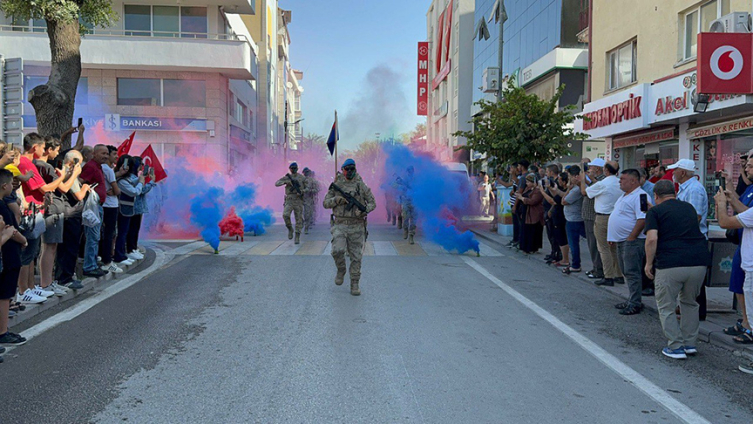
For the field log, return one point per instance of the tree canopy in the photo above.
(521, 126)
(89, 12)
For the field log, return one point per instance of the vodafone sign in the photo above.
(724, 63)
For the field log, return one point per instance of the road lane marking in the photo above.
(368, 248)
(406, 249)
(238, 248)
(287, 248)
(86, 304)
(384, 248)
(679, 409)
(264, 248)
(312, 248)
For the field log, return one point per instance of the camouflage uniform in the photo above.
(349, 229)
(408, 210)
(309, 202)
(293, 202)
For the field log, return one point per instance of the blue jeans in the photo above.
(575, 230)
(92, 244)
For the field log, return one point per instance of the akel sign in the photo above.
(724, 63)
(423, 78)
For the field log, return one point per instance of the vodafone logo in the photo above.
(726, 63)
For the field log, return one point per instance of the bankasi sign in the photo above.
(423, 78)
(724, 63)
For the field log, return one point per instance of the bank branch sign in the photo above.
(724, 63)
(115, 122)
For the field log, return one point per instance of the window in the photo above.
(698, 20)
(139, 92)
(184, 93)
(82, 91)
(622, 66)
(241, 113)
(165, 21)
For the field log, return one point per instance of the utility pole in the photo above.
(501, 15)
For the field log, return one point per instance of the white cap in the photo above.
(598, 162)
(685, 164)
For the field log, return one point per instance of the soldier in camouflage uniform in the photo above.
(293, 200)
(349, 229)
(309, 200)
(406, 203)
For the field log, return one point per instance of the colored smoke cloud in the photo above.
(438, 194)
(206, 213)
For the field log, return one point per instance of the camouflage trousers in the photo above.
(409, 219)
(348, 238)
(290, 208)
(309, 212)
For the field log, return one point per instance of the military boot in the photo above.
(340, 277)
(354, 290)
(290, 233)
(394, 220)
(410, 239)
(399, 222)
(306, 230)
(297, 237)
(405, 233)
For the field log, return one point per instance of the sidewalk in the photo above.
(719, 299)
(89, 283)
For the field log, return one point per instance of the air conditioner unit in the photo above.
(490, 80)
(734, 22)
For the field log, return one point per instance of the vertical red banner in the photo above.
(423, 78)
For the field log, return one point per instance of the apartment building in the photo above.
(183, 76)
(643, 88)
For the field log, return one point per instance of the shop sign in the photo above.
(644, 138)
(423, 78)
(441, 111)
(723, 128)
(675, 98)
(724, 63)
(620, 113)
(115, 122)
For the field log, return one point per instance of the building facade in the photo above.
(181, 76)
(449, 26)
(643, 93)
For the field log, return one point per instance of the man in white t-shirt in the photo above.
(605, 193)
(742, 220)
(484, 192)
(625, 231)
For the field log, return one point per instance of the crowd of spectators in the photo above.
(646, 228)
(60, 209)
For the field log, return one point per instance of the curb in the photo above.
(89, 283)
(708, 332)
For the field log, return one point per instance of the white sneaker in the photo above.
(125, 263)
(56, 286)
(44, 292)
(58, 290)
(136, 255)
(112, 268)
(29, 297)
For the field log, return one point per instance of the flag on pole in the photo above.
(334, 136)
(150, 159)
(125, 147)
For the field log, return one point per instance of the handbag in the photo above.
(733, 236)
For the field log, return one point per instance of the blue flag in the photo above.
(334, 136)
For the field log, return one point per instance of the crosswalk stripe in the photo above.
(238, 248)
(312, 248)
(368, 249)
(406, 249)
(384, 248)
(188, 248)
(286, 249)
(264, 248)
(486, 250)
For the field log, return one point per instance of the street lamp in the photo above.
(701, 103)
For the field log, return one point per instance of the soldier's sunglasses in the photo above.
(349, 168)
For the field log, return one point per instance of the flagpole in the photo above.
(337, 136)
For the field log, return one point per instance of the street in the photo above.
(261, 334)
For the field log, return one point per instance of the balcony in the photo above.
(228, 54)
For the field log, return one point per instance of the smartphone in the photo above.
(723, 183)
(644, 202)
(80, 121)
(146, 169)
(75, 161)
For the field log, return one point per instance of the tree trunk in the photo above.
(54, 102)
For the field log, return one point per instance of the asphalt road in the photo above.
(261, 334)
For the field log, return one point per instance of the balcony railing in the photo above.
(134, 33)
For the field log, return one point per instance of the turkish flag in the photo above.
(150, 159)
(125, 147)
(725, 63)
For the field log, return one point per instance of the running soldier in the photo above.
(406, 203)
(350, 200)
(295, 185)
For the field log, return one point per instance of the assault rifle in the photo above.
(352, 201)
(296, 185)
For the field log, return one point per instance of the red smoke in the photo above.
(232, 224)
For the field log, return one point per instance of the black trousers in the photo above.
(132, 241)
(552, 239)
(67, 253)
(515, 228)
(109, 226)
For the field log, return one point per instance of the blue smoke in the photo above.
(255, 218)
(433, 188)
(207, 210)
